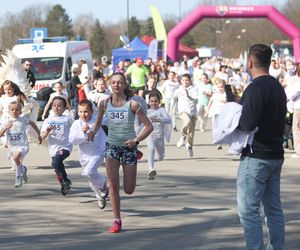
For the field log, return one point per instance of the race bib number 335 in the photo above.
(15, 138)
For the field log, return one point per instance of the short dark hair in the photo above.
(155, 94)
(63, 100)
(86, 103)
(187, 76)
(261, 55)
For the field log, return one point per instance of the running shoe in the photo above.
(65, 187)
(24, 176)
(181, 142)
(104, 191)
(151, 175)
(190, 151)
(101, 203)
(116, 227)
(18, 181)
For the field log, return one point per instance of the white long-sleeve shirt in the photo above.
(159, 119)
(186, 104)
(87, 148)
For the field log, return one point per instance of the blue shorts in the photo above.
(125, 155)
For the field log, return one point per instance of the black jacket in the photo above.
(264, 106)
(31, 78)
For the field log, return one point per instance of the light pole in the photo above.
(179, 10)
(128, 18)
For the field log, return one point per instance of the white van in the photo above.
(52, 58)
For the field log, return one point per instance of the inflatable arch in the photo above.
(265, 11)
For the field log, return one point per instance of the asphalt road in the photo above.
(190, 205)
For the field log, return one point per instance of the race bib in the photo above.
(58, 129)
(15, 138)
(118, 116)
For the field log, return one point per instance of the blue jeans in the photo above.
(258, 182)
(58, 164)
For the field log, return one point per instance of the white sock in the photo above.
(22, 169)
(19, 170)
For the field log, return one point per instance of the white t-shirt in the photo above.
(218, 102)
(58, 137)
(168, 89)
(16, 135)
(185, 104)
(96, 97)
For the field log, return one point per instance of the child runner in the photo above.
(10, 92)
(217, 102)
(15, 127)
(168, 89)
(186, 96)
(99, 93)
(58, 92)
(56, 129)
(156, 140)
(151, 87)
(121, 147)
(91, 153)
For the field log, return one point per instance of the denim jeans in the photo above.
(258, 183)
(58, 164)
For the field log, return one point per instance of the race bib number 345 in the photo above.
(118, 116)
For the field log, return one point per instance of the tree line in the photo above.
(232, 37)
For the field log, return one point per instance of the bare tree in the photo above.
(83, 25)
(15, 26)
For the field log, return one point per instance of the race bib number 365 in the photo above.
(57, 129)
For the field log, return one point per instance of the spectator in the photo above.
(258, 181)
(30, 75)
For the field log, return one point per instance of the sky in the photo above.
(115, 10)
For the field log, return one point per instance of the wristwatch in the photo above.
(136, 142)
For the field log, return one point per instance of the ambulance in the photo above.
(52, 58)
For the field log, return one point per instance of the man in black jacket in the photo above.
(30, 75)
(258, 181)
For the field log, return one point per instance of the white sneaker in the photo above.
(190, 151)
(13, 168)
(18, 181)
(101, 203)
(181, 142)
(104, 191)
(295, 155)
(151, 175)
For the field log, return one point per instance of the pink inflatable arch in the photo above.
(266, 11)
